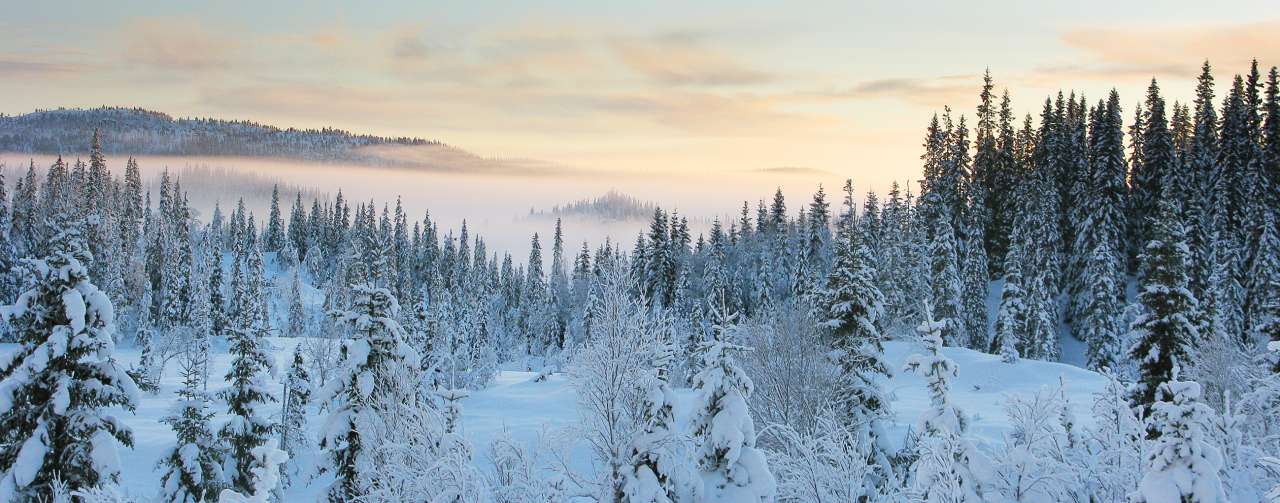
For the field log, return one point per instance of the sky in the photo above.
(656, 88)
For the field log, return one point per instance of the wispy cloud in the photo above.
(685, 60)
(18, 68)
(1169, 49)
(932, 92)
(179, 46)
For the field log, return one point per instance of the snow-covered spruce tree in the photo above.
(1165, 327)
(192, 469)
(949, 467)
(853, 306)
(56, 383)
(367, 382)
(9, 281)
(297, 396)
(266, 477)
(249, 426)
(217, 301)
(1099, 326)
(975, 281)
(297, 314)
(658, 471)
(938, 371)
(1011, 319)
(733, 470)
(945, 286)
(1182, 466)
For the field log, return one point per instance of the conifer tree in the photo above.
(945, 471)
(9, 280)
(1011, 319)
(853, 306)
(987, 169)
(1101, 312)
(1165, 327)
(945, 286)
(247, 428)
(273, 236)
(368, 382)
(1194, 188)
(56, 383)
(1152, 170)
(655, 474)
(819, 228)
(192, 469)
(297, 314)
(723, 430)
(1106, 220)
(298, 231)
(974, 284)
(217, 302)
(297, 396)
(1182, 466)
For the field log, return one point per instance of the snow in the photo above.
(515, 406)
(30, 457)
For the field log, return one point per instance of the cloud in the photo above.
(932, 92)
(681, 59)
(16, 68)
(1171, 49)
(792, 170)
(409, 48)
(178, 45)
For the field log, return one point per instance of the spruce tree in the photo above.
(1165, 327)
(1151, 173)
(298, 232)
(654, 475)
(945, 286)
(1101, 309)
(945, 471)
(273, 237)
(297, 314)
(247, 392)
(55, 385)
(1182, 466)
(369, 381)
(9, 280)
(732, 468)
(192, 469)
(1011, 319)
(1194, 188)
(852, 308)
(297, 396)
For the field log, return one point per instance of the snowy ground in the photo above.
(514, 405)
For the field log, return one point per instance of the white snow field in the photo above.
(514, 405)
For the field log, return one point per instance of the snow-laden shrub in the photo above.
(608, 377)
(791, 372)
(414, 455)
(823, 463)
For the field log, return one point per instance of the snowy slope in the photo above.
(525, 410)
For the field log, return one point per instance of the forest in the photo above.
(330, 347)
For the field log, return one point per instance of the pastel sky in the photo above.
(843, 87)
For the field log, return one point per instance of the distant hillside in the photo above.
(613, 205)
(140, 131)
